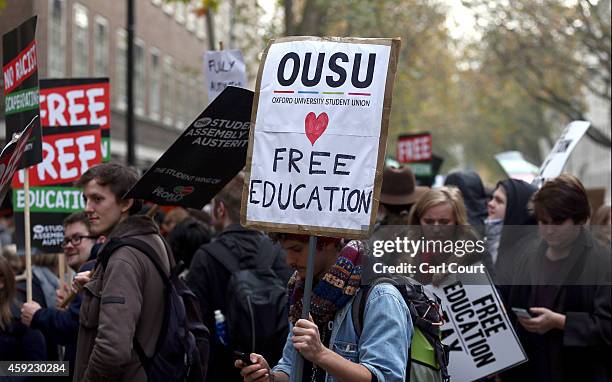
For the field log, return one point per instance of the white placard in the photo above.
(556, 159)
(315, 150)
(223, 68)
(479, 334)
(515, 165)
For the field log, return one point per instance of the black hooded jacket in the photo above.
(474, 196)
(209, 279)
(519, 227)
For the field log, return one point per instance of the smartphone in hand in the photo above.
(243, 357)
(522, 312)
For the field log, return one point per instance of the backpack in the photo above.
(181, 351)
(428, 356)
(256, 308)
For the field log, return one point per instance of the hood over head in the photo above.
(473, 192)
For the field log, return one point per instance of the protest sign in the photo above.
(209, 153)
(20, 75)
(558, 156)
(68, 151)
(11, 155)
(223, 68)
(77, 102)
(516, 166)
(477, 330)
(414, 148)
(436, 165)
(316, 152)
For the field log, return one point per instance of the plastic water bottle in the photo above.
(221, 328)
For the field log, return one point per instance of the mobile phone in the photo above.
(522, 312)
(243, 357)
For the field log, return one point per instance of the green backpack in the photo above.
(428, 356)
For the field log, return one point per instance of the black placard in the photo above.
(20, 75)
(209, 153)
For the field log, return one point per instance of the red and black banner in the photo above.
(20, 77)
(77, 102)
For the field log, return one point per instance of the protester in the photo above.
(61, 326)
(507, 211)
(380, 354)
(565, 284)
(123, 302)
(209, 276)
(185, 239)
(473, 193)
(397, 195)
(7, 229)
(17, 341)
(600, 225)
(44, 270)
(172, 218)
(440, 215)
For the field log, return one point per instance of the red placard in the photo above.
(20, 68)
(75, 105)
(67, 154)
(414, 148)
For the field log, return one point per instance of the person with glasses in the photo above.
(78, 241)
(61, 326)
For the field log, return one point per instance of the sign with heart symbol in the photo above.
(320, 115)
(315, 126)
(184, 190)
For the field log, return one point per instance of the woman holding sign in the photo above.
(328, 341)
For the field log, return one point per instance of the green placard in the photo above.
(50, 199)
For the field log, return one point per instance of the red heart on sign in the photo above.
(315, 126)
(184, 190)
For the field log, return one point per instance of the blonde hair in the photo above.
(437, 196)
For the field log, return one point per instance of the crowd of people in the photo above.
(547, 251)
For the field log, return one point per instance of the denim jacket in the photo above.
(384, 342)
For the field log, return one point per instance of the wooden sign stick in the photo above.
(28, 244)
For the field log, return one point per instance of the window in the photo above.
(200, 31)
(167, 90)
(179, 14)
(155, 75)
(100, 46)
(57, 39)
(80, 41)
(191, 18)
(120, 70)
(180, 107)
(195, 102)
(168, 8)
(139, 77)
(202, 93)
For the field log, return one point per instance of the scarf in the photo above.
(493, 233)
(335, 289)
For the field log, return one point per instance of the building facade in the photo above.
(87, 38)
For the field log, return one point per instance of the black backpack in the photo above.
(256, 308)
(428, 356)
(181, 351)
